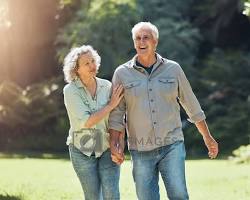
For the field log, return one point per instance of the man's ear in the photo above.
(156, 43)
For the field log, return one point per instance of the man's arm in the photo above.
(210, 142)
(116, 127)
(192, 107)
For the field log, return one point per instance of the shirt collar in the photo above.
(79, 83)
(159, 60)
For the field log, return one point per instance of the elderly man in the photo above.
(154, 89)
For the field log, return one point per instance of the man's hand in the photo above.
(212, 146)
(117, 146)
(210, 142)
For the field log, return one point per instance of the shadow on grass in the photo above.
(34, 154)
(10, 197)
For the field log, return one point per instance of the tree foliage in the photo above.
(179, 39)
(247, 8)
(210, 39)
(33, 117)
(106, 26)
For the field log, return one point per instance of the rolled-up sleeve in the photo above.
(116, 117)
(78, 111)
(188, 100)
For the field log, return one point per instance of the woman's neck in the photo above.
(88, 82)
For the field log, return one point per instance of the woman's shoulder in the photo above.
(68, 88)
(104, 82)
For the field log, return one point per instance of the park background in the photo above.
(211, 41)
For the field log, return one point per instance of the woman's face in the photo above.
(87, 66)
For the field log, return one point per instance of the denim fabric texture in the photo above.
(99, 177)
(169, 161)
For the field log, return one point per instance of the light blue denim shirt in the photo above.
(80, 105)
(152, 104)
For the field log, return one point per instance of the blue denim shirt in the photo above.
(151, 102)
(80, 105)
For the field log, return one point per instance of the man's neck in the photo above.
(146, 61)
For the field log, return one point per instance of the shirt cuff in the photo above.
(116, 126)
(197, 117)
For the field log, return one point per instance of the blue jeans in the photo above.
(99, 177)
(170, 162)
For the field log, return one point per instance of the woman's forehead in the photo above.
(86, 56)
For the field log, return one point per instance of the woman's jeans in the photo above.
(99, 177)
(170, 162)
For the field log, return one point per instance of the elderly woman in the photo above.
(88, 101)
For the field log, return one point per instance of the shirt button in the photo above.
(155, 123)
(153, 111)
(152, 100)
(150, 89)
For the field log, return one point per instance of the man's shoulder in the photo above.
(171, 64)
(123, 67)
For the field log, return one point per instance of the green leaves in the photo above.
(246, 10)
(178, 39)
(33, 106)
(106, 26)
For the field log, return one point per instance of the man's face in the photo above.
(144, 42)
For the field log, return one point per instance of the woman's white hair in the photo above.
(145, 25)
(70, 63)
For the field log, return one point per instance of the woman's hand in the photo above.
(117, 95)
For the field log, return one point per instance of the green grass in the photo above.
(54, 179)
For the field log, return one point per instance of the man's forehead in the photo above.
(144, 31)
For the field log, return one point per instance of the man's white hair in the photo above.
(145, 25)
(71, 61)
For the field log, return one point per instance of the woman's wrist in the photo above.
(109, 107)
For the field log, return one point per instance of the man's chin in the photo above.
(142, 52)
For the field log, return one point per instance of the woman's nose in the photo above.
(93, 66)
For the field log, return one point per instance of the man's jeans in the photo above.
(170, 162)
(99, 177)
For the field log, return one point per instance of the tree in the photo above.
(247, 8)
(179, 39)
(28, 52)
(106, 26)
(225, 85)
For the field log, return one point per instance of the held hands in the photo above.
(117, 95)
(212, 146)
(117, 146)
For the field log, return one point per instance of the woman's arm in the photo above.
(117, 95)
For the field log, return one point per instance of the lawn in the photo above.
(54, 179)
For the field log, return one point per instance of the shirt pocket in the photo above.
(131, 89)
(167, 86)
